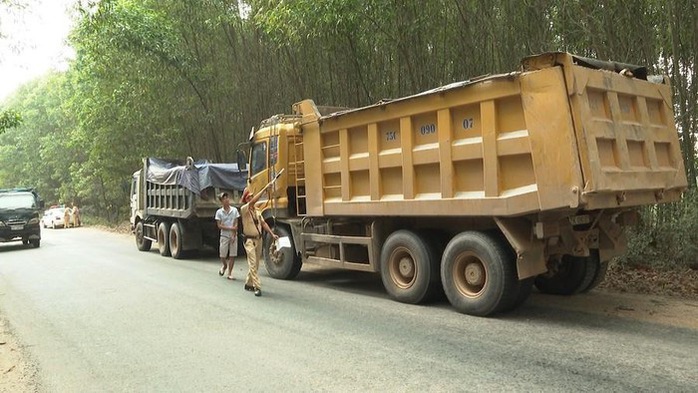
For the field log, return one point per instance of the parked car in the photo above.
(19, 216)
(53, 218)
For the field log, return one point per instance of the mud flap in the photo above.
(530, 251)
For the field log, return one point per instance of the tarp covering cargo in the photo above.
(195, 176)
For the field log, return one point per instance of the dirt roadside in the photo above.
(662, 310)
(17, 374)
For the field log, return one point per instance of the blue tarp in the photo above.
(196, 176)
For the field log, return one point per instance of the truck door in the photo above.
(259, 173)
(135, 197)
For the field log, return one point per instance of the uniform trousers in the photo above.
(253, 247)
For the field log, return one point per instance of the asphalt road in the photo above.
(95, 314)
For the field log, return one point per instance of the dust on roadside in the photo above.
(656, 309)
(17, 374)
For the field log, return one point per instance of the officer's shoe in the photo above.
(257, 292)
(249, 287)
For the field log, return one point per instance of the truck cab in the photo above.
(275, 146)
(20, 216)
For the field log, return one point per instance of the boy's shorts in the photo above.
(228, 247)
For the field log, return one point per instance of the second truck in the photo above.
(173, 203)
(479, 189)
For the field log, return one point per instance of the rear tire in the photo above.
(523, 291)
(601, 270)
(574, 275)
(163, 239)
(175, 240)
(285, 264)
(409, 271)
(478, 275)
(523, 287)
(142, 243)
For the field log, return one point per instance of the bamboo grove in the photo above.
(177, 78)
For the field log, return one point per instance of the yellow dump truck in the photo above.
(478, 189)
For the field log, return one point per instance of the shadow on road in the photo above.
(596, 310)
(344, 280)
(7, 247)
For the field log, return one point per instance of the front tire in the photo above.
(163, 239)
(409, 270)
(284, 264)
(36, 243)
(478, 275)
(142, 243)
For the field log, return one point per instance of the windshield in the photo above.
(22, 200)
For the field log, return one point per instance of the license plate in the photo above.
(16, 227)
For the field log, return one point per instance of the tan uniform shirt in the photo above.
(249, 228)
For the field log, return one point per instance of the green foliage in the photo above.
(667, 237)
(9, 119)
(176, 78)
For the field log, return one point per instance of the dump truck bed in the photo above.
(560, 134)
(178, 190)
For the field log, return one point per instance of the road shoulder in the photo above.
(17, 374)
(663, 310)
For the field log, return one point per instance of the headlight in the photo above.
(33, 221)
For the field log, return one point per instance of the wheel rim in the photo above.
(470, 274)
(276, 257)
(402, 267)
(161, 237)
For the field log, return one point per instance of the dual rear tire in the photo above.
(169, 239)
(573, 275)
(409, 268)
(164, 239)
(479, 276)
(476, 271)
(175, 241)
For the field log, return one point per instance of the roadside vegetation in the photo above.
(177, 78)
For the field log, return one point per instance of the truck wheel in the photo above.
(284, 264)
(163, 239)
(176, 241)
(523, 291)
(523, 287)
(142, 243)
(409, 270)
(478, 275)
(600, 274)
(573, 275)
